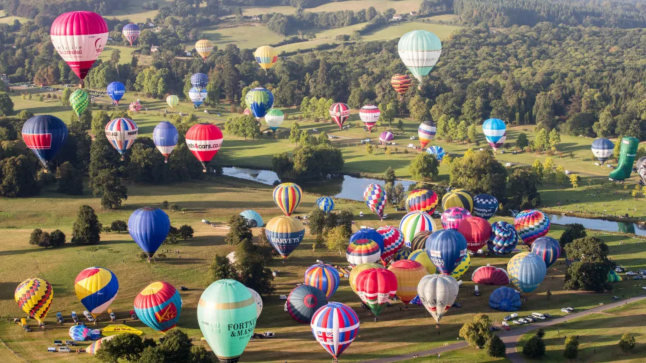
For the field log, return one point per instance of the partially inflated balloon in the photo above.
(531, 224)
(504, 238)
(165, 137)
(226, 314)
(285, 234)
(369, 114)
(258, 299)
(303, 302)
(422, 257)
(419, 241)
(476, 231)
(44, 136)
(495, 132)
(426, 132)
(401, 83)
(526, 270)
(131, 32)
(324, 277)
(490, 275)
(335, 326)
(172, 101)
(116, 90)
(204, 141)
(504, 299)
(158, 306)
(548, 249)
(274, 118)
(437, 293)
(79, 333)
(385, 137)
(452, 217)
(96, 288)
(402, 254)
(375, 288)
(415, 222)
(266, 57)
(122, 133)
(419, 50)
(446, 248)
(458, 198)
(421, 200)
(253, 218)
(94, 347)
(259, 100)
(134, 107)
(34, 296)
(149, 228)
(393, 241)
(408, 274)
(204, 48)
(287, 197)
(375, 197)
(339, 113)
(79, 100)
(437, 151)
(357, 270)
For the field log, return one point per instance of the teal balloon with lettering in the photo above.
(226, 313)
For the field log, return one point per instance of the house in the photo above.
(396, 18)
(255, 18)
(413, 13)
(4, 78)
(188, 54)
(151, 25)
(154, 48)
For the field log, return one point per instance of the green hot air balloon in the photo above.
(419, 50)
(79, 100)
(227, 317)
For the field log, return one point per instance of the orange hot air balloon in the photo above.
(401, 83)
(408, 274)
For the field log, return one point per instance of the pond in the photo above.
(599, 224)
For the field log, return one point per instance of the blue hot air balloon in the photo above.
(548, 249)
(526, 270)
(149, 228)
(253, 218)
(446, 248)
(436, 151)
(495, 132)
(165, 137)
(369, 233)
(44, 135)
(504, 299)
(197, 96)
(602, 149)
(259, 101)
(484, 206)
(326, 204)
(199, 80)
(116, 90)
(303, 302)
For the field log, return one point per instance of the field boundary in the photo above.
(11, 350)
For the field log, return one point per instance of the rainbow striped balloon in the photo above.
(287, 197)
(426, 132)
(94, 347)
(324, 277)
(96, 288)
(363, 251)
(158, 306)
(375, 198)
(34, 296)
(531, 224)
(421, 200)
(415, 222)
(335, 326)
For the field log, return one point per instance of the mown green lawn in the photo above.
(402, 7)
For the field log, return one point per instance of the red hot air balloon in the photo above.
(476, 231)
(490, 275)
(79, 38)
(204, 141)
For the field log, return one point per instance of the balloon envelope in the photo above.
(503, 239)
(531, 224)
(476, 231)
(495, 132)
(419, 50)
(419, 241)
(158, 306)
(79, 100)
(335, 326)
(324, 277)
(490, 275)
(548, 249)
(415, 222)
(326, 204)
(287, 197)
(285, 234)
(116, 90)
(393, 241)
(446, 248)
(369, 233)
(44, 135)
(400, 83)
(526, 271)
(423, 200)
(402, 254)
(452, 217)
(422, 257)
(197, 96)
(204, 141)
(258, 299)
(274, 118)
(462, 267)
(385, 137)
(339, 113)
(34, 296)
(363, 251)
(96, 288)
(369, 114)
(426, 132)
(149, 228)
(304, 301)
(253, 218)
(266, 56)
(436, 151)
(79, 333)
(122, 133)
(131, 32)
(172, 101)
(376, 287)
(458, 198)
(204, 48)
(504, 299)
(357, 270)
(408, 274)
(94, 347)
(375, 197)
(602, 149)
(165, 137)
(485, 206)
(199, 80)
(437, 293)
(259, 100)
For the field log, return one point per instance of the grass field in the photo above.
(402, 7)
(135, 11)
(126, 53)
(4, 19)
(245, 36)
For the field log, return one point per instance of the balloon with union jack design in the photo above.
(324, 277)
(375, 198)
(204, 141)
(34, 296)
(165, 137)
(393, 242)
(287, 197)
(158, 306)
(122, 133)
(96, 288)
(335, 326)
(369, 114)
(44, 135)
(339, 113)
(131, 32)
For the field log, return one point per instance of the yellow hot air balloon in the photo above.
(422, 257)
(204, 48)
(408, 274)
(172, 101)
(357, 269)
(462, 267)
(34, 296)
(266, 56)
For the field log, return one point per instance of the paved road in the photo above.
(510, 338)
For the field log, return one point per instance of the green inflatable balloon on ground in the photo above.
(627, 155)
(79, 100)
(227, 317)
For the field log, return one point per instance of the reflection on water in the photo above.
(599, 224)
(343, 186)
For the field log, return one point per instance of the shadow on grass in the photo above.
(7, 290)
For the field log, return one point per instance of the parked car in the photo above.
(70, 342)
(518, 322)
(615, 298)
(269, 334)
(113, 317)
(510, 317)
(64, 350)
(59, 318)
(51, 350)
(504, 323)
(74, 317)
(631, 273)
(88, 316)
(530, 319)
(538, 316)
(547, 315)
(637, 277)
(619, 269)
(58, 342)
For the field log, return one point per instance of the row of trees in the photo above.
(176, 347)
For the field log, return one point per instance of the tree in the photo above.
(521, 141)
(176, 347)
(522, 190)
(65, 97)
(537, 168)
(534, 348)
(34, 237)
(627, 342)
(44, 240)
(294, 133)
(560, 175)
(479, 172)
(571, 347)
(221, 269)
(369, 149)
(99, 120)
(18, 177)
(317, 221)
(337, 239)
(472, 135)
(540, 333)
(87, 228)
(57, 238)
(389, 176)
(589, 272)
(572, 231)
(541, 141)
(424, 167)
(476, 332)
(574, 180)
(118, 226)
(108, 186)
(462, 131)
(345, 219)
(6, 104)
(418, 107)
(185, 232)
(123, 346)
(238, 230)
(251, 261)
(554, 139)
(496, 347)
(70, 180)
(548, 170)
(606, 124)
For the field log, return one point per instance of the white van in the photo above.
(538, 316)
(51, 350)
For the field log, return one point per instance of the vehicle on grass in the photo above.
(58, 342)
(133, 315)
(538, 315)
(507, 328)
(70, 342)
(183, 288)
(529, 319)
(504, 323)
(637, 277)
(456, 305)
(615, 298)
(547, 315)
(113, 317)
(631, 273)
(510, 317)
(51, 350)
(74, 317)
(88, 316)
(26, 328)
(517, 322)
(64, 350)
(59, 318)
(619, 269)
(269, 334)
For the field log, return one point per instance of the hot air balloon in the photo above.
(287, 197)
(324, 277)
(613, 277)
(362, 251)
(134, 106)
(303, 302)
(172, 101)
(627, 153)
(640, 166)
(526, 270)
(422, 257)
(335, 326)
(415, 222)
(462, 267)
(531, 224)
(401, 83)
(339, 113)
(393, 242)
(165, 137)
(131, 32)
(149, 228)
(44, 135)
(122, 133)
(408, 274)
(476, 231)
(368, 233)
(79, 38)
(199, 81)
(437, 293)
(446, 248)
(402, 254)
(375, 287)
(386, 137)
(258, 299)
(116, 90)
(436, 151)
(458, 198)
(421, 200)
(226, 314)
(419, 50)
(602, 149)
(204, 48)
(259, 100)
(204, 141)
(426, 132)
(34, 296)
(419, 241)
(285, 234)
(548, 249)
(197, 96)
(326, 204)
(79, 100)
(495, 132)
(266, 57)
(247, 112)
(253, 218)
(96, 288)
(357, 270)
(451, 217)
(79, 333)
(504, 299)
(504, 238)
(375, 198)
(369, 114)
(274, 118)
(158, 306)
(484, 206)
(490, 275)
(94, 347)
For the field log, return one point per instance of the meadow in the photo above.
(402, 7)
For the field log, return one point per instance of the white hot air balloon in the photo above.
(437, 293)
(258, 300)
